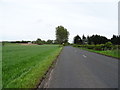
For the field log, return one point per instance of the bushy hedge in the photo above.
(118, 46)
(100, 47)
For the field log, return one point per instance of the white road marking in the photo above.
(50, 76)
(84, 56)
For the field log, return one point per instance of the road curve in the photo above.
(77, 68)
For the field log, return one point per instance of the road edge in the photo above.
(100, 53)
(45, 78)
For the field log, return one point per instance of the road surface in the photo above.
(77, 68)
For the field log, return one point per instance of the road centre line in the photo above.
(84, 56)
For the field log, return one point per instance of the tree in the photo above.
(118, 39)
(115, 40)
(83, 37)
(61, 35)
(89, 40)
(84, 40)
(49, 41)
(77, 40)
(39, 41)
(97, 39)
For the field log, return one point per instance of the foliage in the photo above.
(49, 42)
(100, 47)
(39, 41)
(84, 40)
(20, 41)
(77, 40)
(115, 40)
(97, 39)
(61, 35)
(94, 39)
(108, 45)
(118, 46)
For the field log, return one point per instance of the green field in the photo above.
(112, 53)
(24, 65)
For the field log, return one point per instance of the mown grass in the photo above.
(112, 53)
(24, 65)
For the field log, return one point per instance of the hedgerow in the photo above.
(100, 47)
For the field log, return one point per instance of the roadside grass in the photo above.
(23, 66)
(112, 53)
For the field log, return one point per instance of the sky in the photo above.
(32, 19)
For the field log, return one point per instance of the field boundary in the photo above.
(99, 53)
(45, 78)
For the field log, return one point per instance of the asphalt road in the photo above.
(77, 68)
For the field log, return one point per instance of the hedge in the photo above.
(100, 47)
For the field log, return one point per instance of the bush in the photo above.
(75, 45)
(90, 46)
(65, 44)
(115, 47)
(118, 46)
(108, 45)
(98, 47)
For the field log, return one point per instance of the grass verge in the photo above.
(111, 53)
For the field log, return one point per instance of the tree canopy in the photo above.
(115, 39)
(61, 35)
(77, 40)
(97, 39)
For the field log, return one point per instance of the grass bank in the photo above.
(112, 53)
(24, 65)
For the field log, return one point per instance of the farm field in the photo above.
(24, 65)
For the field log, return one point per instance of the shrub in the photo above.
(75, 45)
(108, 45)
(118, 46)
(98, 47)
(90, 46)
(115, 47)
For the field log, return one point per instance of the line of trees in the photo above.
(96, 39)
(18, 41)
(38, 41)
(61, 37)
(41, 42)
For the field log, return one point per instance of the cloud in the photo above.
(31, 19)
(42, 1)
